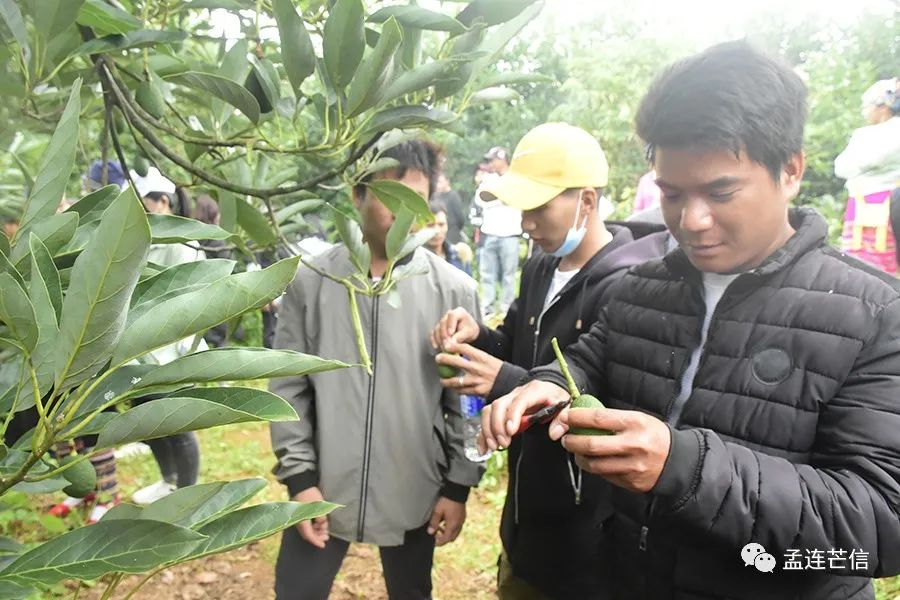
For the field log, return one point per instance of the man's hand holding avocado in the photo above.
(466, 369)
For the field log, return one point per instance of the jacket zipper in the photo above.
(670, 408)
(370, 418)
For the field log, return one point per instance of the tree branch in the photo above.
(134, 118)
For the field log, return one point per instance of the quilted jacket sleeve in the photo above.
(848, 495)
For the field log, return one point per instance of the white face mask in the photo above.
(575, 234)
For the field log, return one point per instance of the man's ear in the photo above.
(792, 175)
(589, 200)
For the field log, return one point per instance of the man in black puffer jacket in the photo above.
(553, 513)
(751, 377)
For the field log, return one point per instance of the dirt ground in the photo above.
(248, 573)
(464, 570)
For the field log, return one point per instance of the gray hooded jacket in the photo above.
(384, 446)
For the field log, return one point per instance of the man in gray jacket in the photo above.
(386, 446)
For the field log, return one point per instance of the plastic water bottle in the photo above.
(471, 409)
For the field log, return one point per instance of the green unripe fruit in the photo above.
(586, 401)
(150, 99)
(81, 476)
(255, 87)
(141, 165)
(446, 371)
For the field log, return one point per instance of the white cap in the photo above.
(880, 93)
(152, 182)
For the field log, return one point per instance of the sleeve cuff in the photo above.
(550, 374)
(508, 378)
(455, 491)
(301, 481)
(681, 472)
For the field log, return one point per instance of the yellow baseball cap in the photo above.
(549, 159)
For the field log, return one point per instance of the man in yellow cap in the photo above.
(553, 512)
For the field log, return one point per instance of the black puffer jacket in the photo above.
(790, 438)
(552, 541)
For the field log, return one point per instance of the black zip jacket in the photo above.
(549, 535)
(789, 437)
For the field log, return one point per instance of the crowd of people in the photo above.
(749, 371)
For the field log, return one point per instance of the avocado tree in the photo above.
(274, 108)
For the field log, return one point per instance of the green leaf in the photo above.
(196, 311)
(419, 18)
(301, 207)
(17, 312)
(103, 278)
(4, 246)
(344, 41)
(7, 267)
(55, 16)
(10, 546)
(423, 76)
(16, 459)
(263, 83)
(351, 234)
(14, 591)
(44, 486)
(254, 223)
(411, 47)
(105, 18)
(239, 528)
(492, 12)
(417, 239)
(226, 4)
(298, 56)
(105, 547)
(463, 46)
(408, 117)
(399, 230)
(90, 208)
(171, 229)
(493, 45)
(514, 79)
(225, 89)
(233, 364)
(234, 67)
(133, 39)
(233, 5)
(43, 262)
(228, 211)
(45, 315)
(494, 94)
(368, 86)
(397, 196)
(13, 21)
(196, 505)
(123, 511)
(118, 383)
(55, 166)
(55, 231)
(181, 277)
(174, 415)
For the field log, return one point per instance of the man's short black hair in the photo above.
(729, 96)
(416, 155)
(437, 206)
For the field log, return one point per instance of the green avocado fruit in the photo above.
(446, 371)
(82, 477)
(587, 401)
(150, 99)
(141, 165)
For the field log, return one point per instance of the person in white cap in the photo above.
(552, 510)
(498, 257)
(871, 165)
(178, 456)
